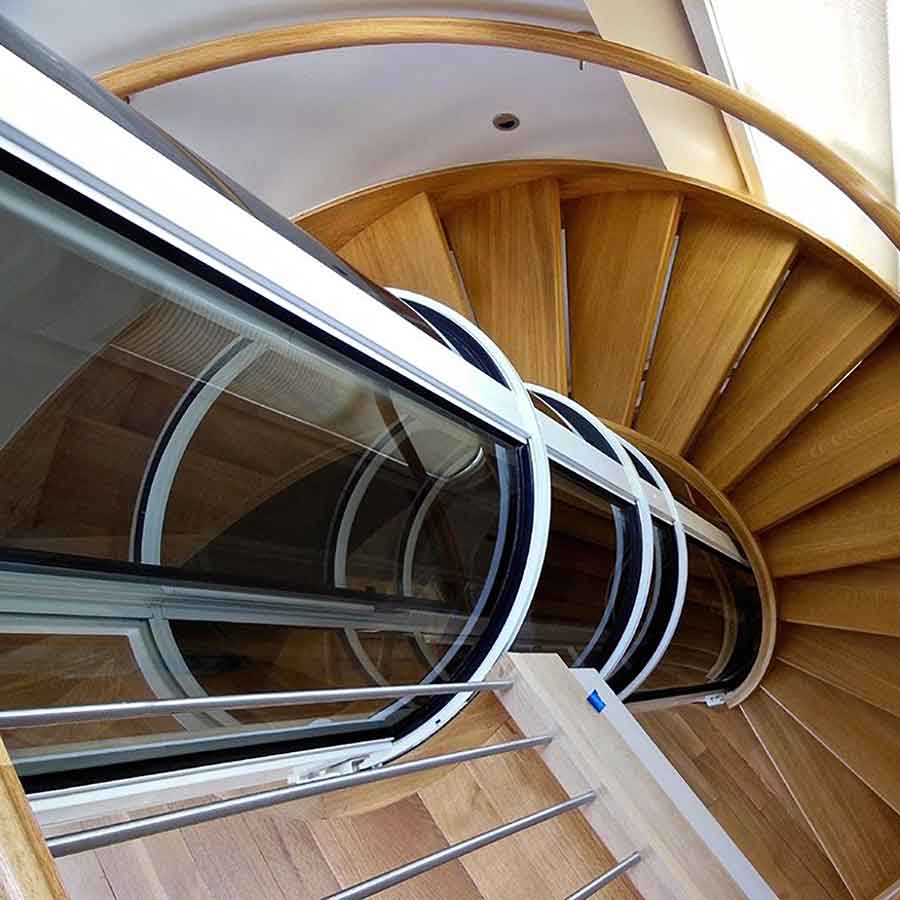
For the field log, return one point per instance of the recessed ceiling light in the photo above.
(506, 121)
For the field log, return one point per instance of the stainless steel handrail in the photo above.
(55, 715)
(454, 851)
(92, 838)
(611, 875)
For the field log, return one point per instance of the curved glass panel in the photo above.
(589, 580)
(657, 612)
(265, 513)
(718, 635)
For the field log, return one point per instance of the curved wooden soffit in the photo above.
(229, 51)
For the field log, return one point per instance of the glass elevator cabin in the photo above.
(232, 465)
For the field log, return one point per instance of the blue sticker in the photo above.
(595, 701)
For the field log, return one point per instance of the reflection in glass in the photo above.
(718, 635)
(308, 523)
(586, 591)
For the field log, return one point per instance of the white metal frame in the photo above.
(540, 527)
(47, 126)
(50, 128)
(634, 482)
(681, 585)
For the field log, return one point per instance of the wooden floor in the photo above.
(717, 754)
(309, 849)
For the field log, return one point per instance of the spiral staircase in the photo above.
(708, 328)
(728, 343)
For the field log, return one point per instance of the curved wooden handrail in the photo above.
(748, 542)
(305, 38)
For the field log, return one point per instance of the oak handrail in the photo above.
(221, 53)
(26, 868)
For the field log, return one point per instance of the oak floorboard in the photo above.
(565, 849)
(474, 727)
(859, 832)
(285, 840)
(501, 871)
(83, 876)
(364, 845)
(229, 861)
(717, 753)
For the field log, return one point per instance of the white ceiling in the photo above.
(301, 130)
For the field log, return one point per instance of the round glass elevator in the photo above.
(234, 466)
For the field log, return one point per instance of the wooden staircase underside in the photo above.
(760, 357)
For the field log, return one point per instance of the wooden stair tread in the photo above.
(717, 753)
(725, 273)
(860, 598)
(858, 526)
(555, 860)
(865, 665)
(819, 327)
(860, 834)
(509, 248)
(618, 247)
(852, 434)
(864, 738)
(407, 248)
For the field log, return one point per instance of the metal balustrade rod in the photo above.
(454, 851)
(90, 839)
(57, 715)
(619, 869)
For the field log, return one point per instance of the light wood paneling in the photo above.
(725, 273)
(852, 434)
(26, 867)
(407, 248)
(819, 327)
(860, 525)
(866, 739)
(508, 246)
(865, 665)
(717, 753)
(861, 598)
(860, 834)
(618, 247)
